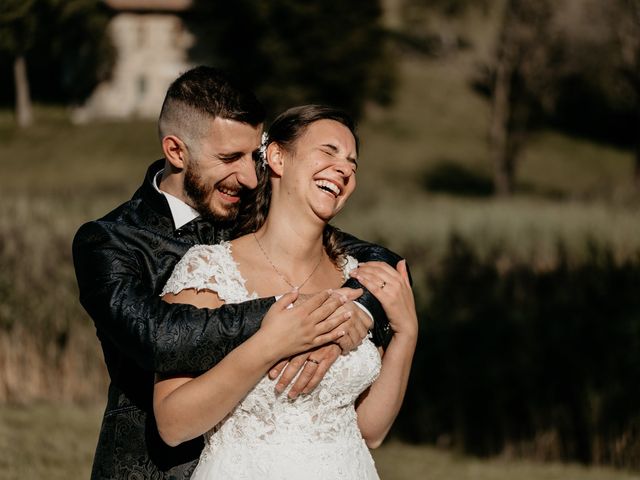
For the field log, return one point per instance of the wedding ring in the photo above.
(383, 284)
(313, 361)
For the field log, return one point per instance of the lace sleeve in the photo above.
(209, 267)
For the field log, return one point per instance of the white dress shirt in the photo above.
(180, 211)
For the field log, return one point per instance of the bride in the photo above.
(308, 171)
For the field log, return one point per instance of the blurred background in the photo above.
(501, 156)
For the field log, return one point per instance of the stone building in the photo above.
(151, 45)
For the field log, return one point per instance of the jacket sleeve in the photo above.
(162, 337)
(369, 252)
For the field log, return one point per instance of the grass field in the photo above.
(571, 190)
(56, 442)
(57, 175)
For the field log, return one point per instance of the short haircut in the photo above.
(204, 93)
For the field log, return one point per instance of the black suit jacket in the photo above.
(122, 261)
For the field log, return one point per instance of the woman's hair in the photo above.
(285, 131)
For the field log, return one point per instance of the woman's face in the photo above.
(320, 170)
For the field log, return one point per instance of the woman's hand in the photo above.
(393, 290)
(287, 330)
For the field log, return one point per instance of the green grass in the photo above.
(396, 461)
(86, 161)
(57, 175)
(58, 441)
(573, 190)
(525, 228)
(47, 441)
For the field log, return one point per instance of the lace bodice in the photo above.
(268, 435)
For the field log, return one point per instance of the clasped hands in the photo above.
(347, 326)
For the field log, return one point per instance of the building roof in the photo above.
(153, 5)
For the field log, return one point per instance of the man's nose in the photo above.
(247, 173)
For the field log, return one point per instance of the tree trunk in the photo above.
(24, 114)
(636, 171)
(499, 130)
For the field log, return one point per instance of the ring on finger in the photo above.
(382, 285)
(313, 361)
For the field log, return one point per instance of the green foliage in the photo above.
(543, 362)
(17, 26)
(76, 47)
(294, 52)
(448, 7)
(65, 42)
(449, 177)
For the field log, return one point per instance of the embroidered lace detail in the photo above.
(350, 264)
(209, 267)
(268, 436)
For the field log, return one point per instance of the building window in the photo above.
(142, 86)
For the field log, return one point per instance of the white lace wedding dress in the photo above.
(268, 436)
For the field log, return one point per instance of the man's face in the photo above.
(220, 168)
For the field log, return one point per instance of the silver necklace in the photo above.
(299, 287)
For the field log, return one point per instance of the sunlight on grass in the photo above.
(523, 228)
(47, 441)
(58, 441)
(397, 461)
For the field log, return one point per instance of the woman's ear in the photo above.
(174, 151)
(275, 158)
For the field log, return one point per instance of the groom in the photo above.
(210, 128)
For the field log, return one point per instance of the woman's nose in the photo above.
(344, 170)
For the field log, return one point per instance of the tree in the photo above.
(295, 51)
(429, 26)
(75, 49)
(624, 18)
(17, 34)
(67, 46)
(522, 83)
(599, 88)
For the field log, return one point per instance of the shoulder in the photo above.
(365, 251)
(106, 226)
(220, 252)
(201, 268)
(97, 237)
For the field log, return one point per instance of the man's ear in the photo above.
(275, 158)
(174, 151)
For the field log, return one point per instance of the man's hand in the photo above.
(353, 328)
(356, 327)
(314, 365)
(287, 330)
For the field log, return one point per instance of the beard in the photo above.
(201, 195)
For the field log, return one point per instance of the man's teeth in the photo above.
(331, 187)
(231, 193)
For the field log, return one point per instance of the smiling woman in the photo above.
(322, 161)
(309, 174)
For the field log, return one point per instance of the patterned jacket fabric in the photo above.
(122, 261)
